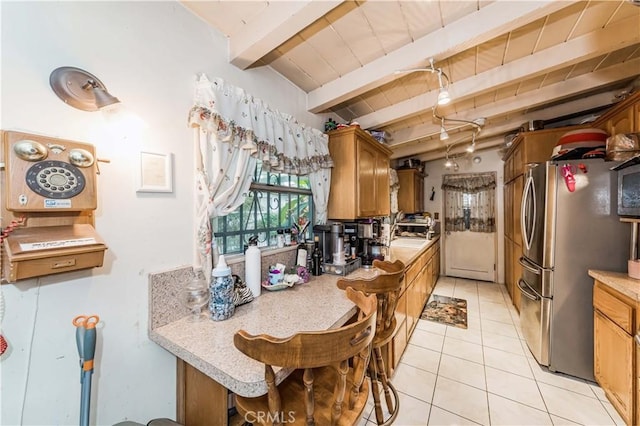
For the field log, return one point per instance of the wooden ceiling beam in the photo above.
(280, 22)
(487, 23)
(591, 45)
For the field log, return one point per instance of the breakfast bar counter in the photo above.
(208, 345)
(205, 348)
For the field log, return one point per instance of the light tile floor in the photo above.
(486, 374)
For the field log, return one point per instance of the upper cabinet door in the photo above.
(368, 170)
(360, 175)
(411, 191)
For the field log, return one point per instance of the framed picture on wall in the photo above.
(156, 172)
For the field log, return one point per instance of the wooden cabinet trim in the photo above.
(614, 307)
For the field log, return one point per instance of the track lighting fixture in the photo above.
(443, 81)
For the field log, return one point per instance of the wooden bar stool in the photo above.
(386, 286)
(314, 394)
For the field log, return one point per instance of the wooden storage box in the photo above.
(34, 252)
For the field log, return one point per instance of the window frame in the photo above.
(224, 238)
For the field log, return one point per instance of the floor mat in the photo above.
(446, 310)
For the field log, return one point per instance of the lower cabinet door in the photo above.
(399, 345)
(613, 364)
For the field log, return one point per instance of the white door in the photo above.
(470, 255)
(470, 251)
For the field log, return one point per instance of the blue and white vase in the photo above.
(221, 290)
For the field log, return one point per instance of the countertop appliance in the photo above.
(323, 232)
(629, 188)
(351, 240)
(369, 247)
(564, 234)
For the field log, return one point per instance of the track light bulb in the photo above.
(448, 163)
(443, 134)
(471, 147)
(443, 97)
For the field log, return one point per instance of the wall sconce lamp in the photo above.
(80, 89)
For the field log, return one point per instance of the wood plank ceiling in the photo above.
(507, 61)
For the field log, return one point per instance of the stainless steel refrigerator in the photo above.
(565, 233)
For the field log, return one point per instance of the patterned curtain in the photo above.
(479, 191)
(483, 211)
(454, 212)
(232, 129)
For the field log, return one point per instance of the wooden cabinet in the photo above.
(613, 349)
(420, 278)
(508, 266)
(637, 380)
(624, 117)
(360, 168)
(400, 339)
(411, 191)
(615, 363)
(622, 122)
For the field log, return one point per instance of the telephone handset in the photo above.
(46, 174)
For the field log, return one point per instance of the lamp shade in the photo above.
(443, 134)
(443, 97)
(103, 98)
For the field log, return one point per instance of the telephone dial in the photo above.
(46, 174)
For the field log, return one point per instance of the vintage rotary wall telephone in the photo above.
(49, 195)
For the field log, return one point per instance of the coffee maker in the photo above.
(351, 240)
(369, 246)
(323, 232)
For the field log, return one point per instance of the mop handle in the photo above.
(86, 339)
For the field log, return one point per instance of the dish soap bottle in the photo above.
(221, 289)
(253, 266)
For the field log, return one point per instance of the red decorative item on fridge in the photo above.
(567, 173)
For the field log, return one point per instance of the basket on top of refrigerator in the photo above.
(623, 146)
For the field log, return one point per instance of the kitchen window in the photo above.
(274, 201)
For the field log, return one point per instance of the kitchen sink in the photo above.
(409, 243)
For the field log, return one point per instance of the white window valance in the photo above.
(280, 141)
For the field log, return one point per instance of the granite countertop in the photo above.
(619, 281)
(208, 345)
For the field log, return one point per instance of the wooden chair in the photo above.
(386, 286)
(315, 392)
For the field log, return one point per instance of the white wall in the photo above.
(491, 161)
(147, 54)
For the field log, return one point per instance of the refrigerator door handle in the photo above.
(528, 234)
(526, 265)
(525, 293)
